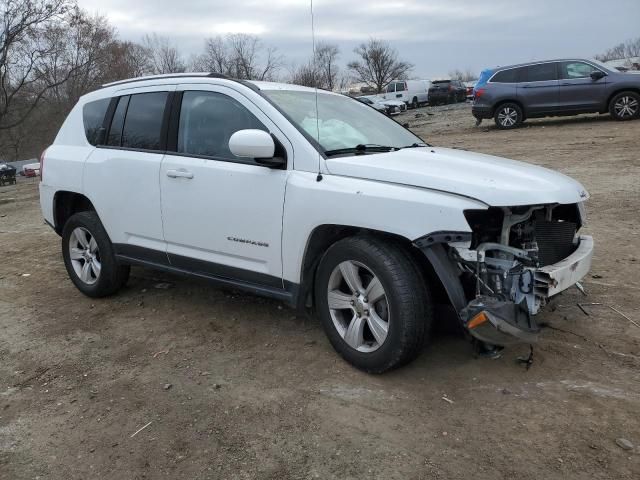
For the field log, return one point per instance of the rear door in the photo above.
(121, 176)
(401, 92)
(538, 91)
(578, 91)
(222, 214)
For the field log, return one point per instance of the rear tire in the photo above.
(373, 302)
(625, 106)
(508, 116)
(89, 256)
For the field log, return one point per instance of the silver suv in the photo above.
(514, 93)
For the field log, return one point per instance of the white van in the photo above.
(412, 92)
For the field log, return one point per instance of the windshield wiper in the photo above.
(416, 145)
(360, 149)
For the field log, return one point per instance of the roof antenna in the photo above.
(315, 84)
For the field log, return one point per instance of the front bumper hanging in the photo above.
(506, 317)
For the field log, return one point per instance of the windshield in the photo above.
(342, 122)
(604, 66)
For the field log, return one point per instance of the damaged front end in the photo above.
(515, 259)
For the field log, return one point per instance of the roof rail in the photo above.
(165, 76)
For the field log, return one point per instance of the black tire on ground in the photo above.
(625, 106)
(113, 275)
(407, 302)
(414, 103)
(508, 116)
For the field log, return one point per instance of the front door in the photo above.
(578, 91)
(222, 215)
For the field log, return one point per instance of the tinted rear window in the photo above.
(114, 138)
(144, 121)
(93, 115)
(542, 72)
(506, 76)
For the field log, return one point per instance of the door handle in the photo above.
(179, 174)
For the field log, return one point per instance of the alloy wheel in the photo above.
(508, 117)
(626, 107)
(359, 313)
(85, 255)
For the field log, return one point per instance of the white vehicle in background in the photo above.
(413, 93)
(390, 107)
(314, 199)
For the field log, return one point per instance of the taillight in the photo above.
(42, 162)
(479, 92)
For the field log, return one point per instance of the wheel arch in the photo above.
(617, 91)
(324, 236)
(65, 204)
(499, 103)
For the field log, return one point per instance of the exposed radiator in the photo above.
(555, 241)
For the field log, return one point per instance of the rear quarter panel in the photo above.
(64, 162)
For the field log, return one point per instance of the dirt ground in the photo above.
(230, 385)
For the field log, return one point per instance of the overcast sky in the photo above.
(435, 35)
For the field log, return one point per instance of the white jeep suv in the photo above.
(318, 201)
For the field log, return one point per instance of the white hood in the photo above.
(493, 180)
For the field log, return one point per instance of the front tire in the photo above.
(414, 103)
(89, 257)
(373, 302)
(508, 116)
(625, 106)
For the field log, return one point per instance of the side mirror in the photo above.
(597, 75)
(256, 144)
(252, 144)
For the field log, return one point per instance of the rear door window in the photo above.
(92, 116)
(506, 76)
(542, 72)
(400, 87)
(143, 121)
(114, 138)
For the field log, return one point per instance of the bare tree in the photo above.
(240, 56)
(125, 60)
(463, 76)
(244, 58)
(326, 56)
(305, 75)
(24, 49)
(378, 64)
(630, 48)
(82, 60)
(162, 55)
(215, 57)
